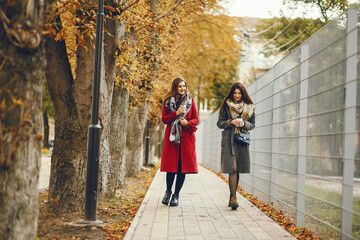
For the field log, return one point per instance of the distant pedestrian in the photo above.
(236, 117)
(178, 154)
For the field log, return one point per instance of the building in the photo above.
(253, 61)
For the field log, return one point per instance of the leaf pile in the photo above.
(116, 214)
(277, 215)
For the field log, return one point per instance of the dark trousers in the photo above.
(179, 179)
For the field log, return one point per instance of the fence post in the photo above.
(275, 135)
(253, 172)
(349, 124)
(303, 102)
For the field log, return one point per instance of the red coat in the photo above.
(170, 152)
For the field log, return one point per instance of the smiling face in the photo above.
(237, 95)
(181, 89)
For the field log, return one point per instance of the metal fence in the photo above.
(305, 154)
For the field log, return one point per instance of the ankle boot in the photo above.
(174, 200)
(233, 203)
(166, 198)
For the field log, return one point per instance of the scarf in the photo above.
(235, 108)
(173, 106)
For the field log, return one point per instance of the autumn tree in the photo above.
(134, 33)
(219, 86)
(22, 66)
(145, 62)
(70, 52)
(284, 34)
(211, 55)
(202, 47)
(148, 62)
(327, 8)
(70, 56)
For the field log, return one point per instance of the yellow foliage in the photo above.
(45, 150)
(163, 40)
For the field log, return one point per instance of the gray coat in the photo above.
(231, 149)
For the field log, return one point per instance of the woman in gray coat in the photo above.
(236, 114)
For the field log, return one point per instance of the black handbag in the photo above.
(242, 137)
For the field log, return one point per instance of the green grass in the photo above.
(321, 210)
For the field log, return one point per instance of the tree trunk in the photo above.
(68, 161)
(154, 134)
(72, 119)
(134, 139)
(46, 129)
(137, 118)
(110, 163)
(119, 124)
(22, 57)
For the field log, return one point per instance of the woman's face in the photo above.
(181, 89)
(237, 95)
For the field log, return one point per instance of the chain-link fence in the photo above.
(305, 149)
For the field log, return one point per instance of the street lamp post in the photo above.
(147, 142)
(94, 129)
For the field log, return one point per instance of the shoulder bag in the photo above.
(242, 137)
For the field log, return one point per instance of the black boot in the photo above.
(166, 198)
(174, 200)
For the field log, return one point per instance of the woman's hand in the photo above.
(183, 122)
(237, 122)
(182, 109)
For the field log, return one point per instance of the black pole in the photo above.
(94, 129)
(159, 142)
(147, 140)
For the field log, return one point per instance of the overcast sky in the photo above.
(253, 8)
(262, 8)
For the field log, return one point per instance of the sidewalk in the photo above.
(202, 213)
(45, 168)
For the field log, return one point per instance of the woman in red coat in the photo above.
(178, 154)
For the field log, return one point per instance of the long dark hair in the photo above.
(174, 88)
(244, 94)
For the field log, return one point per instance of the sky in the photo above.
(253, 8)
(263, 9)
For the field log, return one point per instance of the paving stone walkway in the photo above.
(202, 213)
